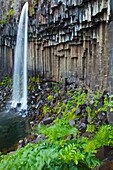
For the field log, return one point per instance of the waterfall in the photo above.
(19, 96)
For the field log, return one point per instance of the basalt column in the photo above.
(111, 48)
(69, 39)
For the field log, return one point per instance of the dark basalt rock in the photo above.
(78, 111)
(39, 138)
(47, 120)
(82, 127)
(18, 105)
(72, 122)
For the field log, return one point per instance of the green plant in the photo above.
(55, 88)
(50, 97)
(70, 115)
(79, 97)
(7, 81)
(7, 16)
(58, 132)
(110, 104)
(47, 156)
(104, 107)
(32, 82)
(74, 152)
(3, 21)
(103, 137)
(90, 128)
(10, 13)
(95, 97)
(45, 109)
(89, 112)
(31, 157)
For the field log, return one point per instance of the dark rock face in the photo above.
(70, 38)
(66, 39)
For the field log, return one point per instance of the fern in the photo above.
(103, 137)
(75, 152)
(59, 131)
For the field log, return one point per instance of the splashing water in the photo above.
(19, 96)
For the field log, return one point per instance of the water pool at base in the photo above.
(12, 128)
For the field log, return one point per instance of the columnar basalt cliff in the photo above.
(67, 38)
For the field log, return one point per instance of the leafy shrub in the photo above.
(58, 152)
(59, 131)
(32, 157)
(47, 156)
(90, 128)
(32, 82)
(45, 109)
(75, 152)
(7, 81)
(55, 88)
(103, 137)
(50, 97)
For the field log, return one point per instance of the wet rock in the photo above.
(84, 119)
(77, 119)
(18, 105)
(32, 123)
(70, 137)
(33, 97)
(1, 98)
(82, 127)
(90, 120)
(39, 103)
(71, 122)
(92, 102)
(48, 89)
(55, 95)
(36, 94)
(63, 108)
(106, 165)
(2, 105)
(5, 94)
(21, 143)
(33, 106)
(99, 123)
(78, 111)
(110, 117)
(102, 116)
(47, 120)
(83, 110)
(104, 152)
(54, 100)
(30, 138)
(87, 135)
(37, 112)
(39, 138)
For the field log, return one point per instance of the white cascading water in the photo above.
(19, 95)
